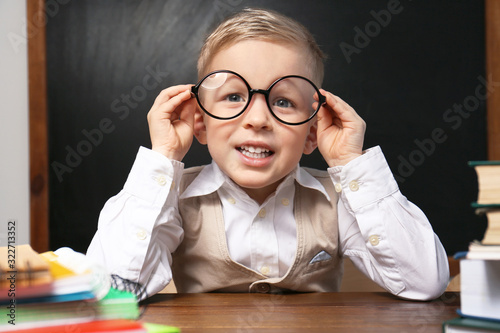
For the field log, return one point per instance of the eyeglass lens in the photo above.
(225, 95)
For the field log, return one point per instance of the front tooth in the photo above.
(256, 150)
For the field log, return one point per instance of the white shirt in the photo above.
(387, 237)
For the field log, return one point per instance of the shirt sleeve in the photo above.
(387, 237)
(140, 227)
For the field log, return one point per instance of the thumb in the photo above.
(324, 119)
(187, 114)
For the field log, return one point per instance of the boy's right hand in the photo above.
(171, 120)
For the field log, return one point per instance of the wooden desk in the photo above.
(315, 312)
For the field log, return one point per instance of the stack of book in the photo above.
(54, 292)
(480, 265)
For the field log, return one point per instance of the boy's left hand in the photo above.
(340, 131)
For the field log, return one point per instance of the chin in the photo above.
(251, 183)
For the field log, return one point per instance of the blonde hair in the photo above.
(267, 25)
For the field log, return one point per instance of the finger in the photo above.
(167, 94)
(335, 112)
(345, 115)
(171, 108)
(186, 115)
(327, 118)
(341, 108)
(326, 114)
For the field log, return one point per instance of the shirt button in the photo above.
(285, 202)
(161, 180)
(262, 213)
(354, 185)
(141, 234)
(231, 201)
(263, 288)
(374, 240)
(338, 187)
(264, 270)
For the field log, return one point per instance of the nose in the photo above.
(257, 114)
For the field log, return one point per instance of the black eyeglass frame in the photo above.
(265, 92)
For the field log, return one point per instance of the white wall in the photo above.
(14, 153)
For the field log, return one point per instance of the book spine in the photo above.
(485, 206)
(476, 163)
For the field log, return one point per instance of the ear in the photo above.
(199, 128)
(311, 139)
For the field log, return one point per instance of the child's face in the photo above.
(281, 146)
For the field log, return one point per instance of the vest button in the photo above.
(263, 288)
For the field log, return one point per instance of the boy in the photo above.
(253, 220)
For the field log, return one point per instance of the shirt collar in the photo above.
(211, 178)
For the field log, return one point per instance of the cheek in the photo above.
(292, 149)
(218, 140)
(294, 139)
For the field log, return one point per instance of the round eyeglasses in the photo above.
(291, 99)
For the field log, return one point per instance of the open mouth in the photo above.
(255, 152)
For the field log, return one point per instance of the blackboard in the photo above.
(414, 70)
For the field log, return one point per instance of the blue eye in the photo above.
(283, 103)
(234, 98)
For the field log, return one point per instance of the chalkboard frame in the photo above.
(39, 179)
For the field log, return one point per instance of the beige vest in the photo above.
(202, 263)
